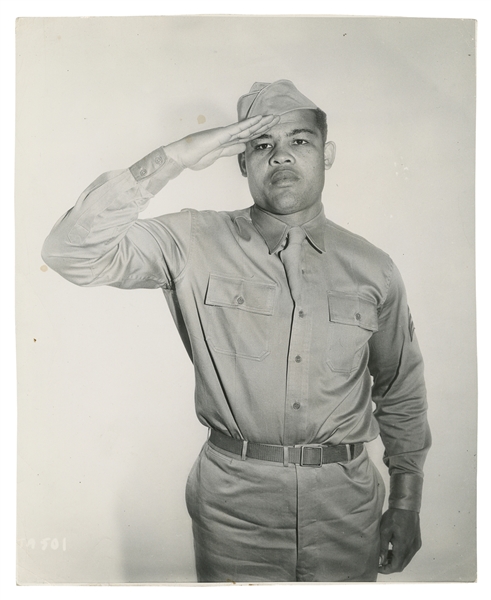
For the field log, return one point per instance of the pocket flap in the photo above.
(240, 294)
(352, 310)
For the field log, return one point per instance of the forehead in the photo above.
(295, 119)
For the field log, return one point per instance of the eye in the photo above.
(300, 142)
(264, 146)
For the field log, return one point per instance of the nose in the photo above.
(281, 155)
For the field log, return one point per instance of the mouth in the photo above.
(284, 177)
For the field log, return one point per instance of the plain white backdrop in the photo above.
(105, 391)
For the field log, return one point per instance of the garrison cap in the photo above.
(274, 98)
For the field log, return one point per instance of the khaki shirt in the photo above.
(266, 370)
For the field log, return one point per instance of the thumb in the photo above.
(385, 538)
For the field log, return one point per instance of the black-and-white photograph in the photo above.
(246, 335)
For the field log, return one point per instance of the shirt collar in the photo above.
(275, 231)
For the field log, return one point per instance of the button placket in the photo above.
(297, 376)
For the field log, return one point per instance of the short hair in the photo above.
(321, 122)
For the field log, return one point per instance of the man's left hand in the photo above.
(401, 529)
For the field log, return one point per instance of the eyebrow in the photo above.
(267, 136)
(303, 130)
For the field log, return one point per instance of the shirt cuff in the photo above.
(406, 491)
(155, 170)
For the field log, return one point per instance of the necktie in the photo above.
(291, 257)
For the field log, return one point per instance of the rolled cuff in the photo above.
(406, 491)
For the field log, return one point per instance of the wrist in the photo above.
(174, 152)
(406, 491)
(153, 171)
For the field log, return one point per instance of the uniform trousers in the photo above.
(258, 521)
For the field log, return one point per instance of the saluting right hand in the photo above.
(200, 150)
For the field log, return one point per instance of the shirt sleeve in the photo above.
(101, 241)
(399, 394)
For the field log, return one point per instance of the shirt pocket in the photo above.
(352, 321)
(239, 314)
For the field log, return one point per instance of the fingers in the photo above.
(397, 558)
(232, 149)
(395, 561)
(261, 126)
(399, 528)
(384, 550)
(211, 157)
(248, 129)
(251, 124)
(201, 150)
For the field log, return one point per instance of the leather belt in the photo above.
(305, 455)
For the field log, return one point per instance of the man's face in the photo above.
(285, 167)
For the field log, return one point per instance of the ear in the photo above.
(329, 154)
(242, 163)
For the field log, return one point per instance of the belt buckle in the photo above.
(321, 452)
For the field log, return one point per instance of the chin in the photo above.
(282, 202)
(287, 207)
(286, 211)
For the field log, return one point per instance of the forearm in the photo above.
(100, 241)
(86, 240)
(399, 394)
(401, 414)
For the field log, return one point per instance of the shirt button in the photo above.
(296, 405)
(301, 314)
(158, 159)
(240, 300)
(298, 358)
(357, 316)
(143, 172)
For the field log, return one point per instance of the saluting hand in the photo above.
(200, 150)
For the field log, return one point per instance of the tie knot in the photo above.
(296, 235)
